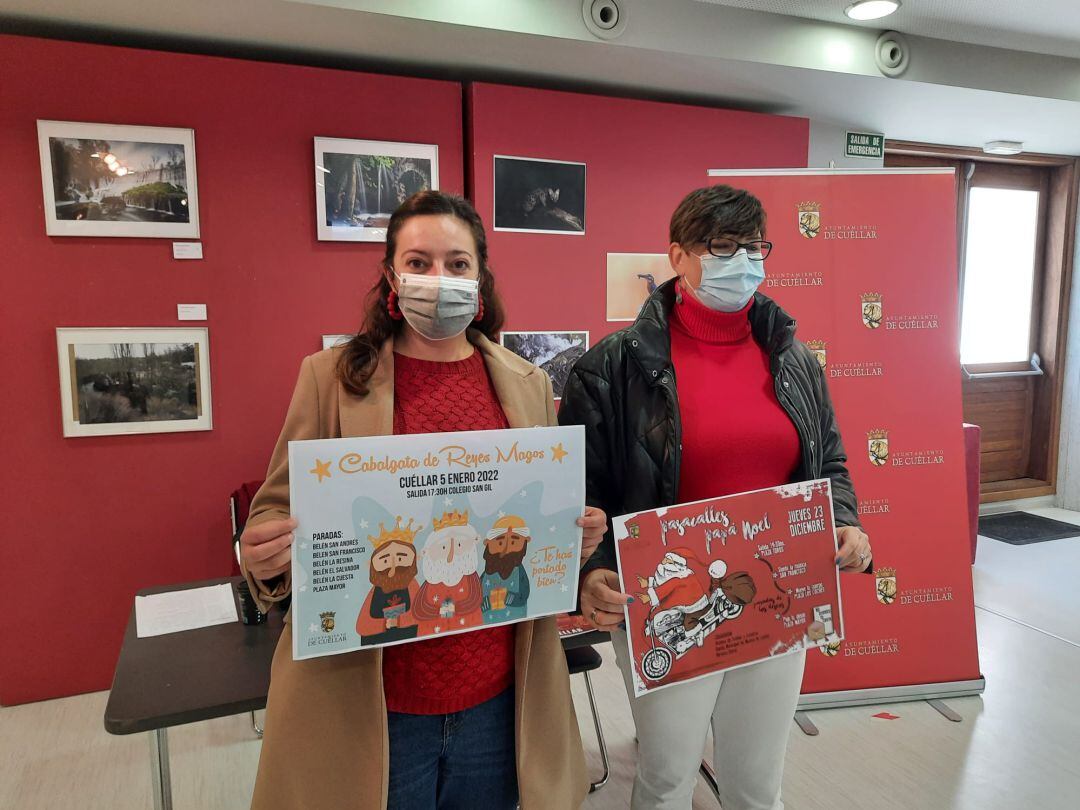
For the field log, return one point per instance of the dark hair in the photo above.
(711, 211)
(360, 357)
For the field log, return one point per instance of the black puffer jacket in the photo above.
(624, 392)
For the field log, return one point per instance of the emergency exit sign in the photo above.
(865, 145)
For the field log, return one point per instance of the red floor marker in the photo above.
(887, 716)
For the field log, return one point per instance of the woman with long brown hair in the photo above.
(447, 722)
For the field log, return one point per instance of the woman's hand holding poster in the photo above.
(407, 537)
(728, 582)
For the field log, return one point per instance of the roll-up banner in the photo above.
(865, 261)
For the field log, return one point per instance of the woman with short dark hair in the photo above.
(447, 722)
(707, 394)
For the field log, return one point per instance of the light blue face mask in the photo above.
(438, 307)
(728, 284)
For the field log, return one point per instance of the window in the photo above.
(1016, 219)
(999, 275)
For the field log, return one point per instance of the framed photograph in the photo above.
(631, 279)
(122, 381)
(359, 184)
(110, 180)
(539, 196)
(554, 352)
(330, 341)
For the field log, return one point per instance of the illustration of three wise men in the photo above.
(453, 596)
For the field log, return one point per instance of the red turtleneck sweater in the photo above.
(735, 435)
(452, 673)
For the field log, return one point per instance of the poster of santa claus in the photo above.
(727, 582)
(402, 538)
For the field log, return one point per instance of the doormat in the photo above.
(1023, 528)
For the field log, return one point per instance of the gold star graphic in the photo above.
(557, 453)
(321, 469)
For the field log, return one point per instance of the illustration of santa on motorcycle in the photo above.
(682, 613)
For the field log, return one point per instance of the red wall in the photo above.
(641, 159)
(91, 520)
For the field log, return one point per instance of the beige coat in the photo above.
(326, 746)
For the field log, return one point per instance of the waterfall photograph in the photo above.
(107, 180)
(554, 352)
(119, 181)
(359, 184)
(539, 196)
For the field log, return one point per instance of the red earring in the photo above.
(392, 307)
(480, 312)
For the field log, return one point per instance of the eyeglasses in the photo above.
(723, 248)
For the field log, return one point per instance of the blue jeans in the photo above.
(454, 761)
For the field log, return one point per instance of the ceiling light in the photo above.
(872, 9)
(1003, 147)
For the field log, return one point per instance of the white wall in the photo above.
(701, 52)
(1068, 484)
(827, 141)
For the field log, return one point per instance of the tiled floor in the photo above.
(1017, 747)
(1033, 584)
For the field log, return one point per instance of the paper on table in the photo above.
(174, 611)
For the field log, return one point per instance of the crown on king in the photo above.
(398, 534)
(454, 518)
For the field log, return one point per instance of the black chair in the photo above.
(583, 660)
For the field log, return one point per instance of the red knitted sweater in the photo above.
(736, 436)
(450, 674)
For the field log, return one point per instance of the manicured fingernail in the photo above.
(629, 599)
(622, 625)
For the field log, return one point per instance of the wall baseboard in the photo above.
(1018, 504)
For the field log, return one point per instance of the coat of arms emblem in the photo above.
(877, 443)
(831, 648)
(327, 621)
(809, 219)
(818, 348)
(886, 585)
(870, 305)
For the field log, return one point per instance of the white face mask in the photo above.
(438, 307)
(727, 285)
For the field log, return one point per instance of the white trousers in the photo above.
(751, 711)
